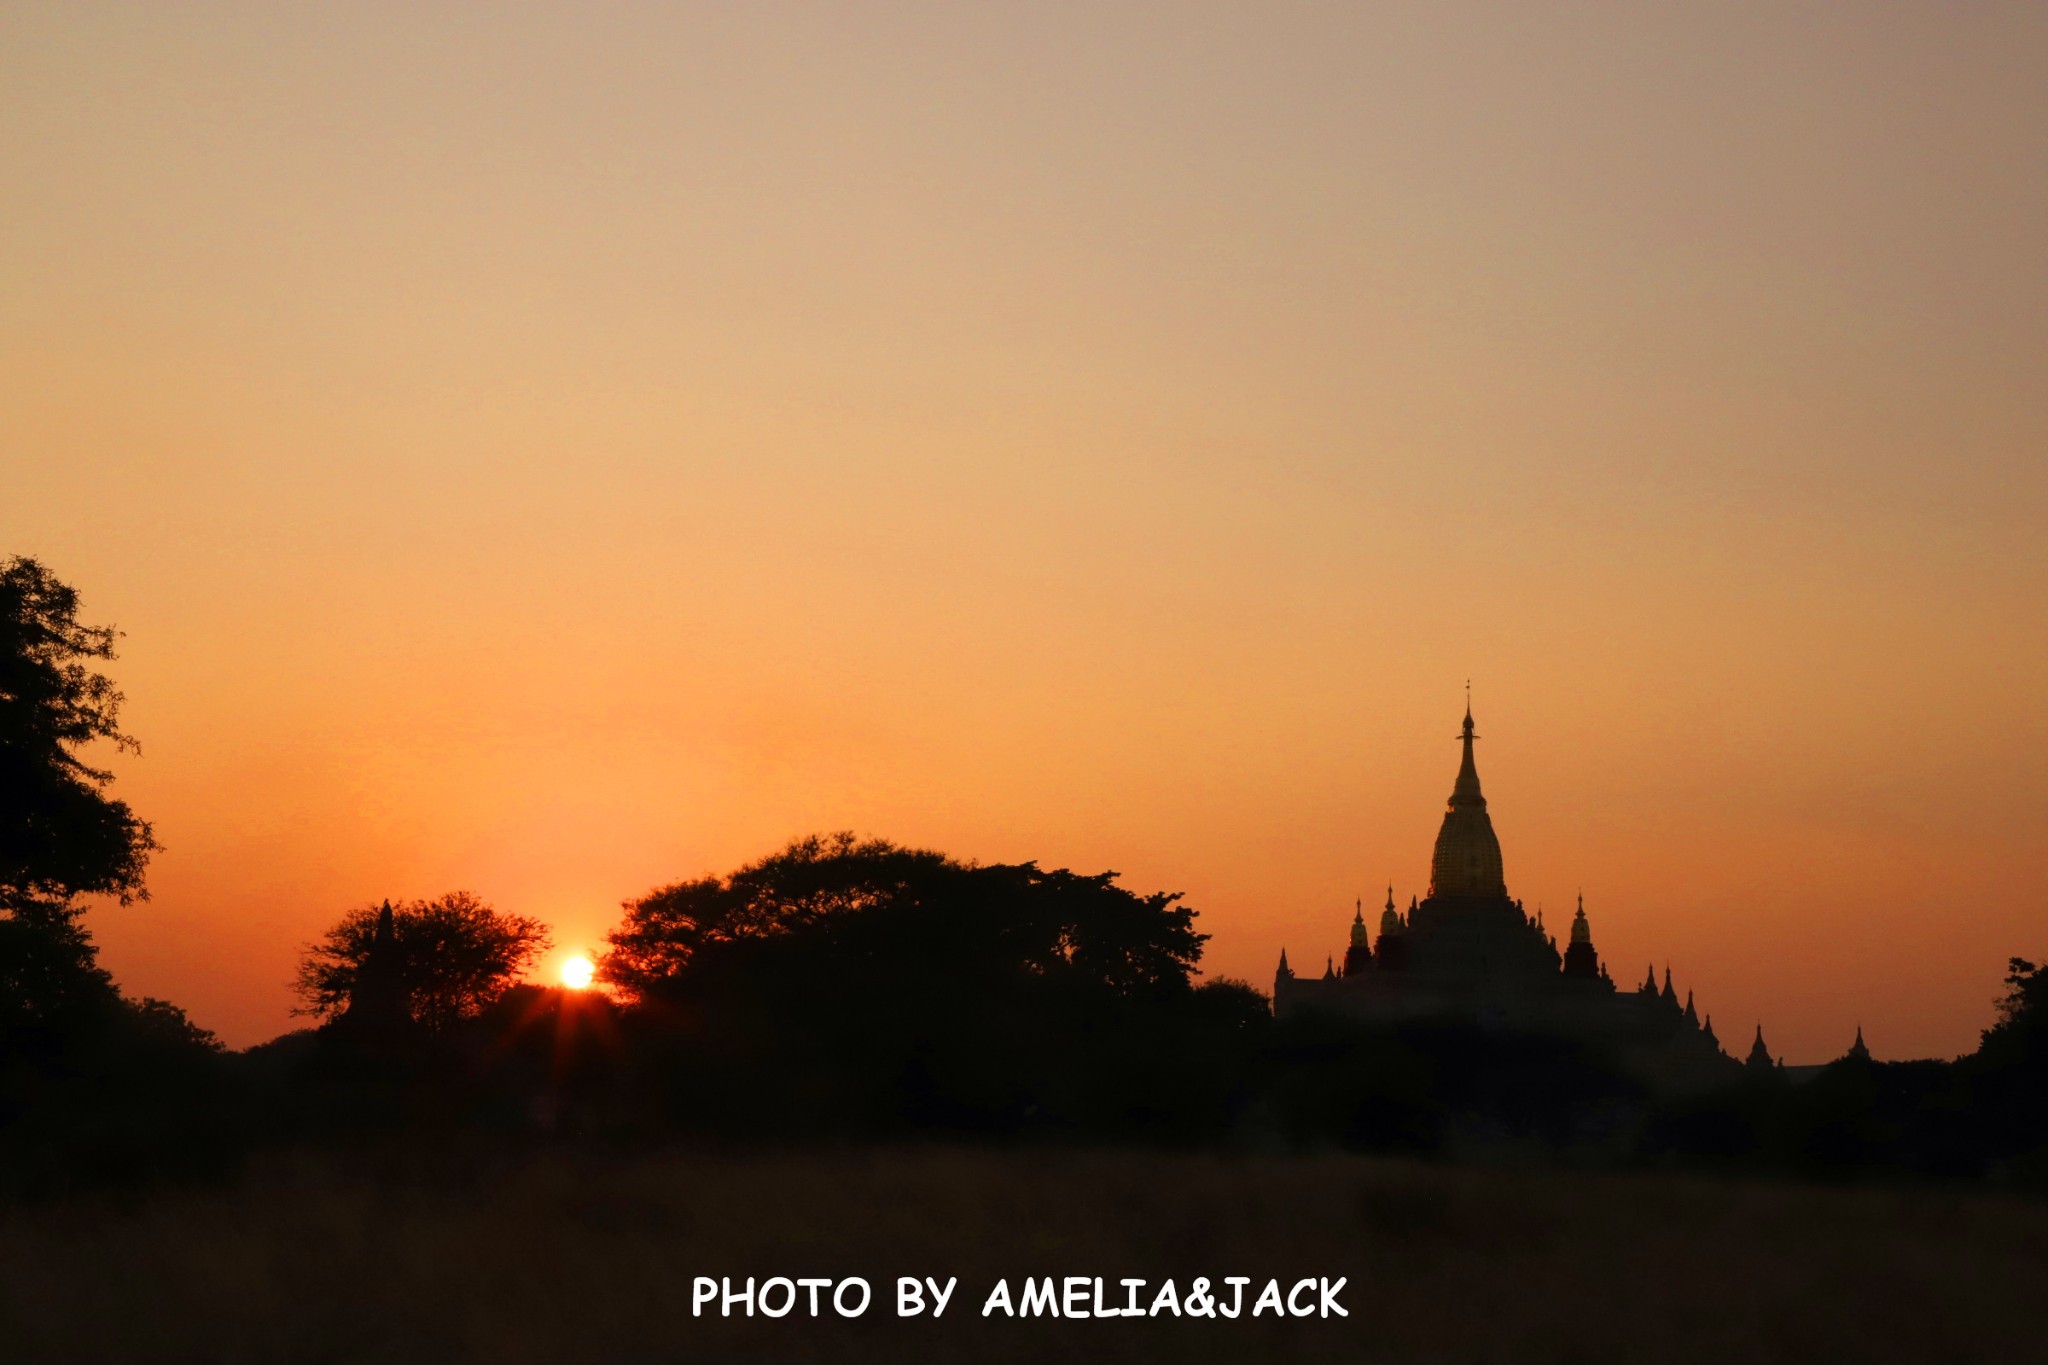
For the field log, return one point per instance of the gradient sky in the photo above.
(555, 450)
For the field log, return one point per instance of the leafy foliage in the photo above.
(870, 899)
(2024, 1005)
(854, 985)
(63, 836)
(52, 988)
(455, 956)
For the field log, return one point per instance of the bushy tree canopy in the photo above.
(62, 835)
(2024, 1006)
(454, 956)
(848, 985)
(873, 901)
(2016, 1047)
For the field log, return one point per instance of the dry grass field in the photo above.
(566, 1257)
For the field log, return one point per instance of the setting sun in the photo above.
(576, 973)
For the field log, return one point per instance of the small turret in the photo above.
(1668, 995)
(1857, 1052)
(1286, 972)
(1329, 969)
(1580, 961)
(1358, 953)
(1691, 1015)
(1649, 986)
(1390, 920)
(1759, 1059)
(1392, 953)
(1707, 1032)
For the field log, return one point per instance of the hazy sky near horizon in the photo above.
(555, 450)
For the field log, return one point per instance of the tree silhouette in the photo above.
(51, 985)
(2023, 1009)
(2010, 1068)
(64, 837)
(61, 835)
(452, 957)
(852, 985)
(872, 899)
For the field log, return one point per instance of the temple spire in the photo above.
(1466, 862)
(1465, 792)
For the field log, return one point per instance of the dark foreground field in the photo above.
(567, 1258)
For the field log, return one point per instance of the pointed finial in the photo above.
(1390, 895)
(1759, 1054)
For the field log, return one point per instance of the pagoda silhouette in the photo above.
(1468, 953)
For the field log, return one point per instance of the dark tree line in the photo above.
(854, 985)
(838, 988)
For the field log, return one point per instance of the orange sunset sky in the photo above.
(555, 450)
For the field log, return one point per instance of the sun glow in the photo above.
(576, 973)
